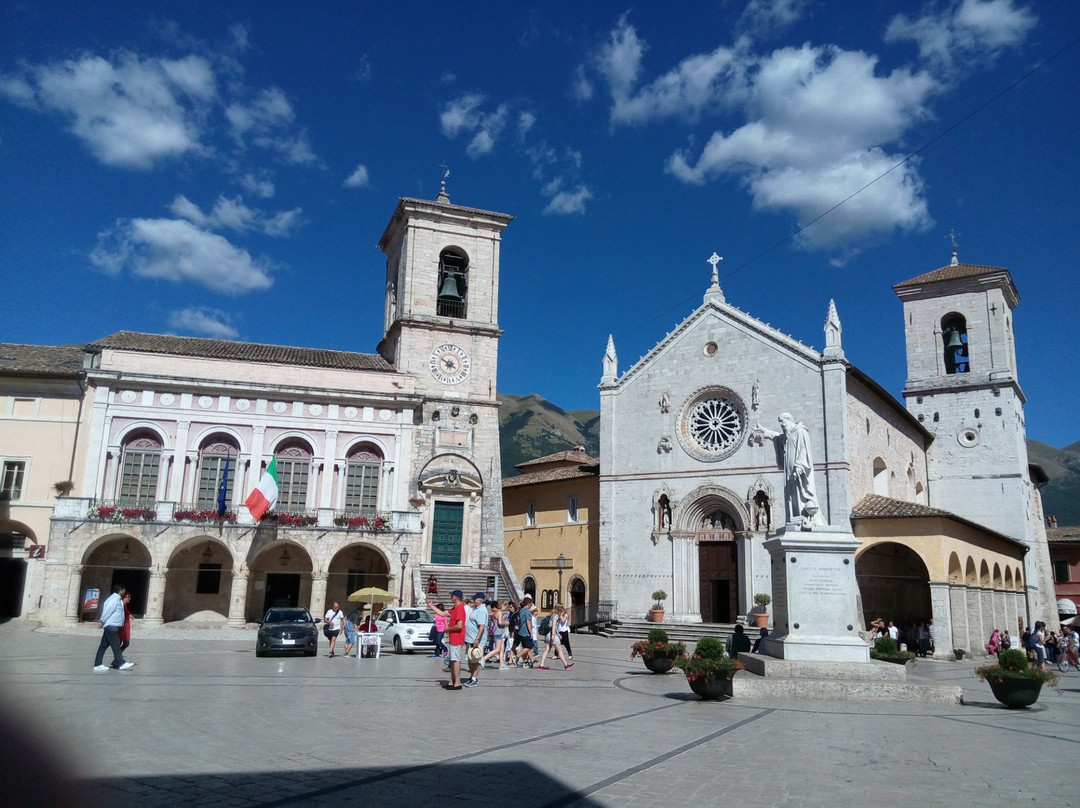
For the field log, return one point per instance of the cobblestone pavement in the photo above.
(201, 721)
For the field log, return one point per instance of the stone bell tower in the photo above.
(963, 386)
(441, 327)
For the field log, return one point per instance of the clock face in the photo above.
(449, 364)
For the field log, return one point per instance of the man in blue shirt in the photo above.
(110, 620)
(475, 628)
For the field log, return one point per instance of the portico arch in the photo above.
(116, 558)
(894, 583)
(199, 579)
(356, 566)
(280, 575)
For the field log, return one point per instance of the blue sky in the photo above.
(226, 170)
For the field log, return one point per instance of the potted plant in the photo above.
(708, 671)
(63, 487)
(885, 650)
(959, 653)
(657, 652)
(761, 614)
(1013, 682)
(656, 613)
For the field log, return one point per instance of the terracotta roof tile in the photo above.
(551, 475)
(41, 360)
(575, 456)
(1063, 534)
(950, 272)
(242, 351)
(873, 506)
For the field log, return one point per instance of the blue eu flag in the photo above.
(223, 489)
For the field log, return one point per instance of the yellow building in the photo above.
(551, 530)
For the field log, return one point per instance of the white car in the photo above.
(408, 629)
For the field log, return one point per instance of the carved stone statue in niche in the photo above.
(762, 509)
(664, 446)
(717, 520)
(663, 503)
(663, 507)
(665, 403)
(755, 402)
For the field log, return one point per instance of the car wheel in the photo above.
(260, 652)
(311, 652)
(397, 645)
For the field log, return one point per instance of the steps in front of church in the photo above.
(689, 633)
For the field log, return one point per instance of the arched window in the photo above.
(212, 456)
(529, 587)
(881, 478)
(547, 599)
(362, 471)
(453, 285)
(139, 470)
(293, 467)
(955, 338)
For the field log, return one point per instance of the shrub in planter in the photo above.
(1014, 682)
(657, 652)
(708, 670)
(885, 650)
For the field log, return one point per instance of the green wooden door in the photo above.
(446, 533)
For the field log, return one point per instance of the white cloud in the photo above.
(619, 60)
(582, 88)
(358, 179)
(233, 214)
(567, 202)
(765, 17)
(267, 121)
(130, 112)
(181, 252)
(204, 321)
(526, 121)
(464, 114)
(971, 29)
(258, 184)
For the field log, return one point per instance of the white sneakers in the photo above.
(105, 668)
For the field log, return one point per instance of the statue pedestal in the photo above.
(814, 596)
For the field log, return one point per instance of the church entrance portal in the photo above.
(718, 562)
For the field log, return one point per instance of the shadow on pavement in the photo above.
(443, 784)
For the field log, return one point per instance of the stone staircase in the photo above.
(450, 577)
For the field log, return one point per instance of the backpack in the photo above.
(1028, 639)
(545, 627)
(515, 622)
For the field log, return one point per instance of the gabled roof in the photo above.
(241, 351)
(575, 457)
(60, 361)
(949, 273)
(1070, 535)
(874, 506)
(551, 475)
(957, 276)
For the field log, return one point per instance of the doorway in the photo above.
(137, 583)
(718, 564)
(446, 532)
(282, 589)
(12, 580)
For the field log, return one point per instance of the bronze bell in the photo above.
(450, 288)
(954, 340)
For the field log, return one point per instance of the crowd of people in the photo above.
(917, 636)
(499, 633)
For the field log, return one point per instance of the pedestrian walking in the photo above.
(549, 635)
(110, 619)
(334, 620)
(440, 631)
(476, 625)
(455, 633)
(498, 619)
(125, 630)
(351, 621)
(524, 655)
(563, 627)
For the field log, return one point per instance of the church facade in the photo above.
(388, 464)
(939, 492)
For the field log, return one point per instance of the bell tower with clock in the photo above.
(441, 327)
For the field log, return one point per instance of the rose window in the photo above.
(712, 424)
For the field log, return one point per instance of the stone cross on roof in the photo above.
(714, 292)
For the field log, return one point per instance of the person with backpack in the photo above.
(524, 634)
(552, 642)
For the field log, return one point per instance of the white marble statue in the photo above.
(799, 494)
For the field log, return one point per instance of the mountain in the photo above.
(532, 427)
(1061, 496)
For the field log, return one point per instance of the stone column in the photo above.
(318, 593)
(178, 483)
(941, 611)
(327, 482)
(974, 618)
(744, 552)
(685, 584)
(74, 597)
(155, 598)
(238, 600)
(958, 614)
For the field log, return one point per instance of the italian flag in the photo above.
(264, 497)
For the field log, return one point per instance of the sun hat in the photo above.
(479, 596)
(457, 593)
(476, 653)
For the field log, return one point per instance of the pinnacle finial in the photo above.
(443, 196)
(952, 239)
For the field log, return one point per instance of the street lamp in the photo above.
(560, 562)
(404, 561)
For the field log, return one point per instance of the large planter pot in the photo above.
(656, 615)
(1015, 693)
(711, 689)
(659, 664)
(761, 619)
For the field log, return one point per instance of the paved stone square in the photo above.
(201, 721)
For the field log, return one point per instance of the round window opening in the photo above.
(710, 349)
(967, 437)
(712, 423)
